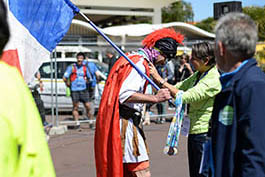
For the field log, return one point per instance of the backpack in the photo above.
(74, 73)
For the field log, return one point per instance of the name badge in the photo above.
(185, 128)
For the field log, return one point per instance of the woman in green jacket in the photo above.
(199, 91)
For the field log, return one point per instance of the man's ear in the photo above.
(221, 48)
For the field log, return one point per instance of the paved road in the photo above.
(73, 153)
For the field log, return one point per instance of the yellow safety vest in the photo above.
(24, 150)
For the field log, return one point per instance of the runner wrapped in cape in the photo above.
(107, 144)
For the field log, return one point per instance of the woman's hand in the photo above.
(188, 67)
(153, 72)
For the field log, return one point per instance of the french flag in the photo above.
(36, 27)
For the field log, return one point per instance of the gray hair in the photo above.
(109, 50)
(238, 33)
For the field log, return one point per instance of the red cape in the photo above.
(107, 142)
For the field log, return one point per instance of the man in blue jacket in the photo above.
(238, 119)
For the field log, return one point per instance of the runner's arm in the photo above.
(162, 95)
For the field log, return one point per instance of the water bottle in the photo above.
(68, 92)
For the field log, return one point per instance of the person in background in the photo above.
(77, 76)
(198, 91)
(23, 148)
(183, 70)
(120, 148)
(171, 65)
(238, 119)
(147, 107)
(35, 88)
(111, 58)
(96, 76)
(167, 75)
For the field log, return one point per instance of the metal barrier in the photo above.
(162, 115)
(73, 122)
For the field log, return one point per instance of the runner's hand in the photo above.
(163, 95)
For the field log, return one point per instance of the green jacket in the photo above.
(201, 98)
(24, 150)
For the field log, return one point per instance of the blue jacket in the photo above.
(238, 123)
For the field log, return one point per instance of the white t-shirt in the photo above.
(132, 84)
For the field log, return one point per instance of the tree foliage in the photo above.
(255, 12)
(258, 15)
(260, 57)
(178, 11)
(182, 11)
(208, 24)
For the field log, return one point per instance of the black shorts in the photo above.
(80, 96)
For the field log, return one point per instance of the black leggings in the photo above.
(40, 105)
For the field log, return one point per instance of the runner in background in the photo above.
(77, 77)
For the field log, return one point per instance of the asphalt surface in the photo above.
(73, 153)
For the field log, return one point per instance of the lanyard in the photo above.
(201, 77)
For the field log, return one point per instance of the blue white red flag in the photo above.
(36, 26)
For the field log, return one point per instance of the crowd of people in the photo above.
(220, 82)
(224, 95)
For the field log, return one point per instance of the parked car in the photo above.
(64, 103)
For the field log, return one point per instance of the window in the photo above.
(225, 9)
(46, 70)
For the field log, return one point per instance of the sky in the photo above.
(203, 9)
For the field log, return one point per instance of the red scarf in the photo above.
(107, 142)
